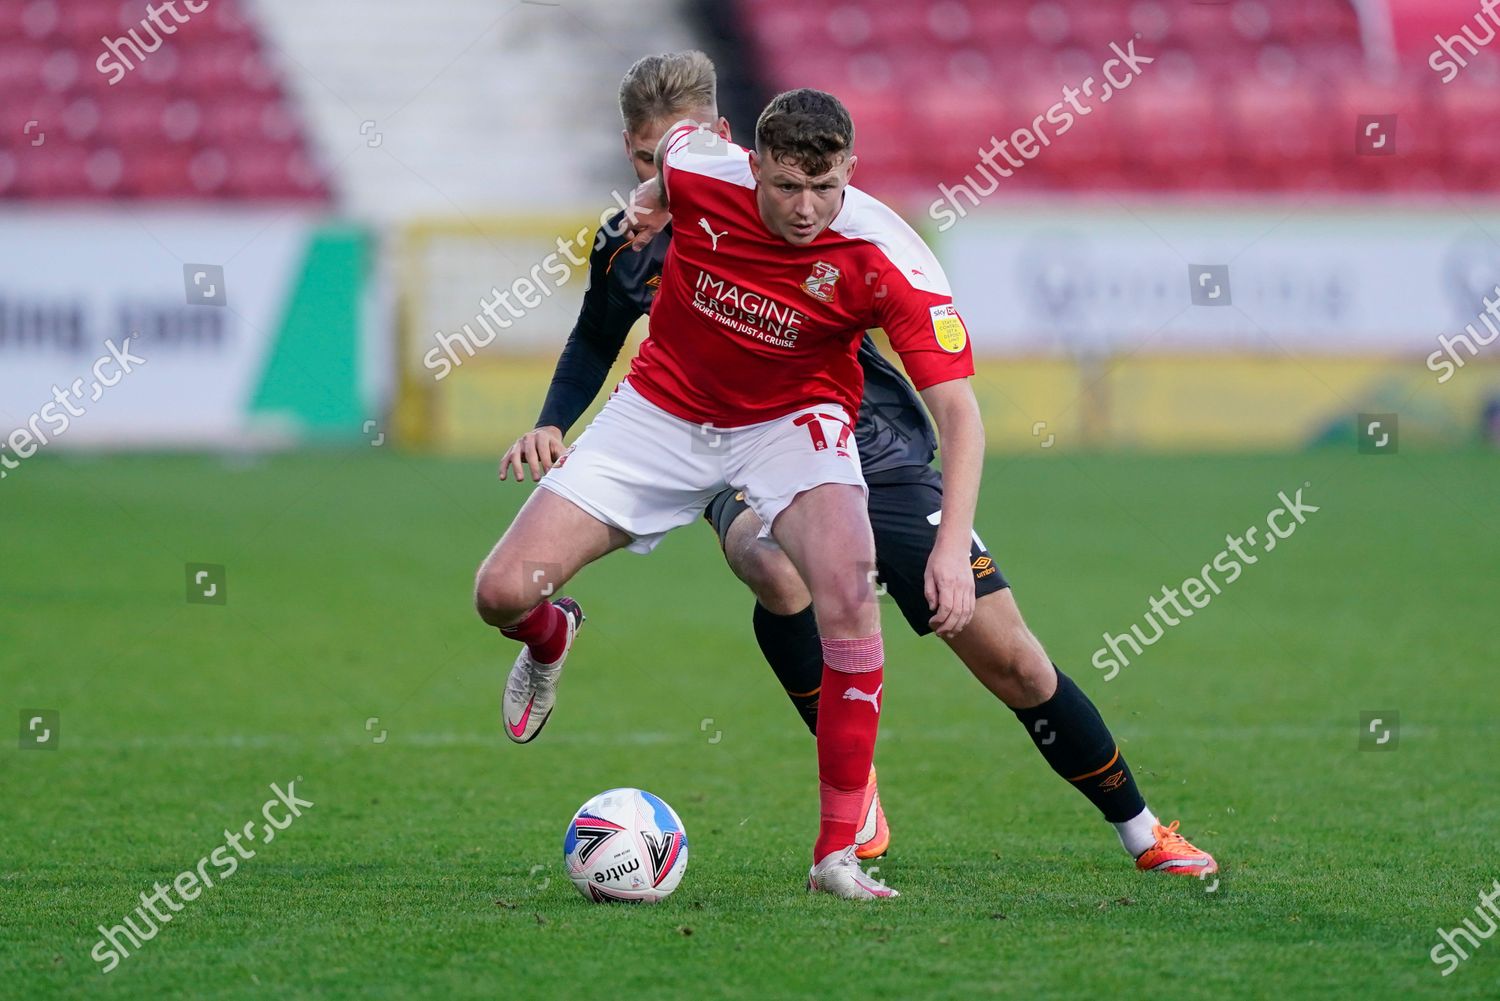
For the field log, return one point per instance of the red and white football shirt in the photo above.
(747, 327)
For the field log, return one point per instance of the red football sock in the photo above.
(848, 718)
(544, 630)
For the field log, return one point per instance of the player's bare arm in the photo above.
(949, 581)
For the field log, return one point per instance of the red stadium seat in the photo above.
(1176, 134)
(10, 173)
(1203, 26)
(1050, 23)
(1281, 134)
(88, 21)
(1338, 60)
(270, 170)
(21, 67)
(951, 22)
(1096, 25)
(1321, 20)
(1001, 26)
(137, 117)
(12, 24)
(1151, 22)
(149, 134)
(232, 66)
(953, 124)
(81, 119)
(54, 170)
(166, 175)
(249, 117)
(1466, 116)
(789, 29)
(1258, 94)
(38, 106)
(883, 136)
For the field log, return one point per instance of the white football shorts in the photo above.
(646, 472)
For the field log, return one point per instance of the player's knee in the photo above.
(1020, 660)
(498, 596)
(846, 605)
(771, 577)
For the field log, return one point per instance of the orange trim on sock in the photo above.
(803, 695)
(1102, 768)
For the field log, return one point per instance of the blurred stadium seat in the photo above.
(1258, 95)
(1248, 95)
(207, 95)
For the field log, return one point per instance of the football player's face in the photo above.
(641, 146)
(794, 205)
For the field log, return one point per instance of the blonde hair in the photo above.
(670, 85)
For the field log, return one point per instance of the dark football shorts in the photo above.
(904, 506)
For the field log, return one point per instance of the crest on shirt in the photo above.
(820, 283)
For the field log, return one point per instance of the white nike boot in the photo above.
(531, 689)
(839, 873)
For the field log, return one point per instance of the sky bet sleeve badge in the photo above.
(948, 328)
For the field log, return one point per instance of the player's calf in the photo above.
(1069, 732)
(1003, 655)
(791, 645)
(1061, 721)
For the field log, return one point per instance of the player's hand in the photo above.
(949, 587)
(536, 451)
(646, 216)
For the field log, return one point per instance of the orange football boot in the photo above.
(874, 836)
(1175, 854)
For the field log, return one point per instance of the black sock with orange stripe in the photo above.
(1071, 735)
(791, 645)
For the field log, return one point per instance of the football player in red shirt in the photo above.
(749, 380)
(997, 647)
(896, 446)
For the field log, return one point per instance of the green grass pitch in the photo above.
(430, 863)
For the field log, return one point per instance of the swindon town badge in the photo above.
(819, 284)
